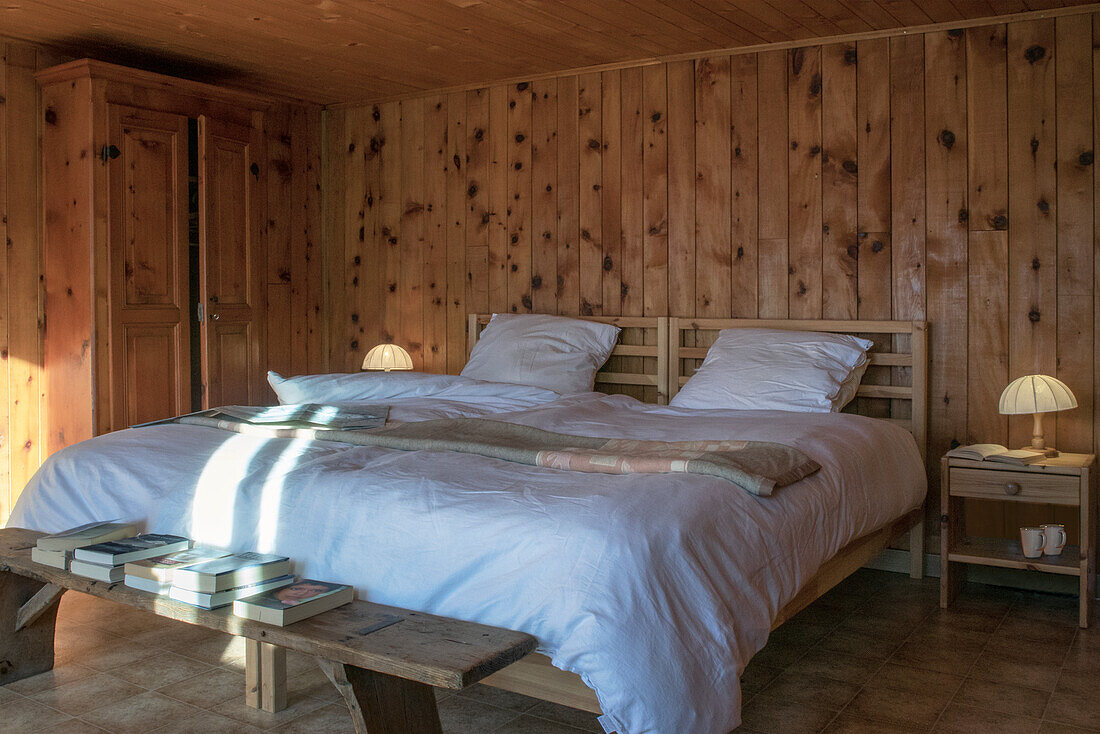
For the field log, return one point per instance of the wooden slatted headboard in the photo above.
(638, 366)
(894, 388)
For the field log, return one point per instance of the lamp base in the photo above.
(1048, 451)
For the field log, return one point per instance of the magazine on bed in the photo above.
(301, 415)
(997, 453)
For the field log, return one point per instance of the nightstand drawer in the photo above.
(991, 484)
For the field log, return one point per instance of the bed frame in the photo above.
(656, 356)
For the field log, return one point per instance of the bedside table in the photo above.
(1063, 480)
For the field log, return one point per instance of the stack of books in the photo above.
(106, 561)
(155, 574)
(222, 581)
(289, 604)
(57, 550)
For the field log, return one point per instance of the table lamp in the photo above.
(387, 357)
(1036, 394)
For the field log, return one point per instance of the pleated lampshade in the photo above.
(1036, 394)
(387, 357)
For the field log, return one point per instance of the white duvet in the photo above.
(656, 589)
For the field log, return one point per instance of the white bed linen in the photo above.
(656, 589)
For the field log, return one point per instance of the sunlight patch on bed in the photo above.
(216, 491)
(272, 493)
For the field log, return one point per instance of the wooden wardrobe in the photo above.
(152, 271)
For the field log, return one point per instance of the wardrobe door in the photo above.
(148, 266)
(227, 262)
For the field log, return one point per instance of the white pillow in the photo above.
(554, 352)
(775, 369)
(384, 386)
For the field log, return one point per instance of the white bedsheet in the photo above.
(656, 589)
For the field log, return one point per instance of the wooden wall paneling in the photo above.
(946, 143)
(24, 266)
(411, 248)
(744, 205)
(590, 199)
(434, 276)
(804, 190)
(873, 185)
(1075, 256)
(390, 206)
(519, 198)
(772, 253)
(7, 498)
(316, 318)
(359, 253)
(454, 289)
(334, 184)
(277, 274)
(655, 177)
(987, 106)
(477, 200)
(632, 173)
(300, 217)
(544, 196)
(1096, 233)
(713, 201)
(611, 226)
(681, 189)
(839, 171)
(498, 198)
(567, 286)
(1032, 208)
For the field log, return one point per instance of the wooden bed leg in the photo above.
(28, 610)
(916, 551)
(384, 704)
(264, 676)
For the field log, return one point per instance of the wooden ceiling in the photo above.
(332, 51)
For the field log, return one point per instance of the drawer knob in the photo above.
(1012, 488)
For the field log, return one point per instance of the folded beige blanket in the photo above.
(755, 466)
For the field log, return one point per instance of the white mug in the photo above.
(1054, 539)
(1032, 541)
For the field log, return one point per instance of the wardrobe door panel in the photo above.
(148, 265)
(228, 268)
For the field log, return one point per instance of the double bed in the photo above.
(649, 593)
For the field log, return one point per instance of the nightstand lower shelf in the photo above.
(1007, 554)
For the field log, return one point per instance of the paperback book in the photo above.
(94, 532)
(97, 571)
(155, 574)
(215, 599)
(997, 454)
(230, 572)
(119, 552)
(57, 559)
(302, 599)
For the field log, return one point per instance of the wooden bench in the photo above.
(383, 660)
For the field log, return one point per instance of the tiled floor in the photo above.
(874, 655)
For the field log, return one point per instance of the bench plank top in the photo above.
(438, 651)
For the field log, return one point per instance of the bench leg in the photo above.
(264, 676)
(384, 704)
(28, 610)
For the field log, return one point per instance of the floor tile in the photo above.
(160, 669)
(849, 724)
(1005, 698)
(88, 694)
(460, 715)
(582, 720)
(219, 650)
(837, 666)
(999, 667)
(297, 705)
(142, 713)
(958, 719)
(906, 680)
(527, 724)
(811, 688)
(117, 654)
(72, 726)
(499, 698)
(1053, 727)
(776, 716)
(313, 683)
(756, 676)
(917, 709)
(60, 675)
(1069, 708)
(331, 719)
(206, 722)
(207, 689)
(20, 715)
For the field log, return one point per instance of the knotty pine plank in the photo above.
(314, 251)
(477, 201)
(544, 196)
(681, 189)
(804, 163)
(278, 195)
(632, 258)
(411, 248)
(744, 173)
(873, 136)
(987, 117)
(1096, 233)
(611, 192)
(6, 493)
(712, 187)
(498, 198)
(590, 199)
(299, 216)
(1032, 257)
(434, 252)
(391, 208)
(361, 237)
(655, 176)
(987, 340)
(945, 136)
(455, 289)
(519, 198)
(1075, 255)
(907, 175)
(567, 286)
(839, 172)
(334, 207)
(772, 257)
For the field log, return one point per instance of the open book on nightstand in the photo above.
(996, 453)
